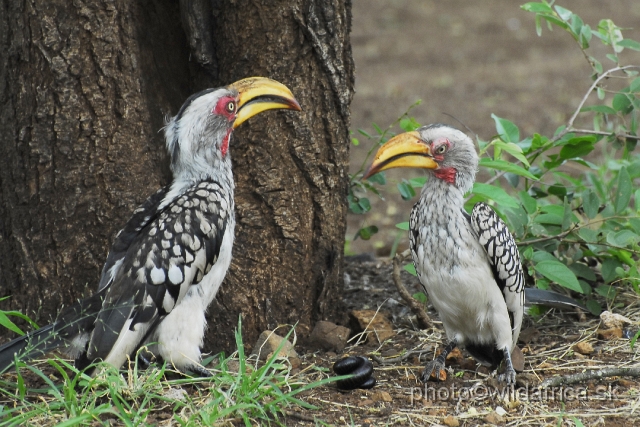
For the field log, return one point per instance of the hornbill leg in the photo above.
(435, 368)
(509, 375)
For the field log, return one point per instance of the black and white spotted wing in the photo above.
(141, 217)
(501, 249)
(174, 251)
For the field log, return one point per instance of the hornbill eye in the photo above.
(441, 149)
(231, 106)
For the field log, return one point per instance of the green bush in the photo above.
(580, 232)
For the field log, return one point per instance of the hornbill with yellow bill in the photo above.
(167, 263)
(469, 265)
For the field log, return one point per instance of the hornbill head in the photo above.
(446, 152)
(203, 126)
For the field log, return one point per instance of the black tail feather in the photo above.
(30, 346)
(74, 321)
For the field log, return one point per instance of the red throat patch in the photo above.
(446, 174)
(225, 143)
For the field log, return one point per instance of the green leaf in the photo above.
(629, 44)
(590, 203)
(496, 194)
(514, 149)
(410, 268)
(559, 273)
(622, 238)
(621, 103)
(418, 182)
(420, 297)
(378, 178)
(583, 270)
(623, 193)
(606, 291)
(503, 165)
(366, 233)
(552, 219)
(507, 130)
(409, 124)
(530, 204)
(579, 149)
(608, 270)
(355, 141)
(7, 323)
(406, 190)
(588, 235)
(564, 14)
(599, 109)
(537, 7)
(403, 226)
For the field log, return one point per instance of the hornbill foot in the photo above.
(435, 368)
(509, 374)
(143, 362)
(197, 369)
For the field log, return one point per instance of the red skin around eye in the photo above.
(221, 109)
(446, 174)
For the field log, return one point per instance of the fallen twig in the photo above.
(401, 358)
(424, 321)
(590, 375)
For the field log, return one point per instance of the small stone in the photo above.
(378, 326)
(175, 394)
(381, 396)
(454, 355)
(329, 336)
(583, 347)
(494, 418)
(451, 421)
(268, 342)
(609, 334)
(614, 320)
(517, 359)
(501, 411)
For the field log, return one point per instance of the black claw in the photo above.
(360, 367)
(199, 370)
(143, 361)
(435, 366)
(509, 375)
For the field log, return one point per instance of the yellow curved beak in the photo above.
(258, 94)
(406, 150)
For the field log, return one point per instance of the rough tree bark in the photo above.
(84, 86)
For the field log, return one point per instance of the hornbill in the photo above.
(469, 265)
(167, 263)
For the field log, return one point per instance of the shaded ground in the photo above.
(466, 59)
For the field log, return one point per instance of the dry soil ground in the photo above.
(469, 397)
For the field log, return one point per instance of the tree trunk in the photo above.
(84, 86)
